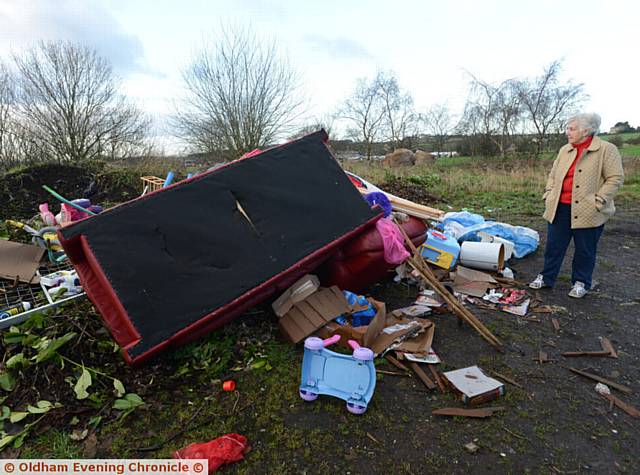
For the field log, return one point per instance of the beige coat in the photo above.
(597, 178)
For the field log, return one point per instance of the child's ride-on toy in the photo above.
(351, 378)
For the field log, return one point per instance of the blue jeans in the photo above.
(558, 238)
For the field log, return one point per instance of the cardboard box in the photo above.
(380, 333)
(315, 311)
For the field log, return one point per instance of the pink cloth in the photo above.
(392, 241)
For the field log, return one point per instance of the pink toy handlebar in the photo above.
(331, 341)
(353, 344)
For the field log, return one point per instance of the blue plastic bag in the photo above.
(525, 240)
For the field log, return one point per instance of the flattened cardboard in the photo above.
(472, 282)
(420, 344)
(20, 260)
(299, 291)
(312, 313)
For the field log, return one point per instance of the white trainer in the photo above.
(578, 291)
(538, 283)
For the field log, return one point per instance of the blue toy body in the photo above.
(351, 378)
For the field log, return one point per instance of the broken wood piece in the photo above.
(436, 376)
(532, 319)
(572, 354)
(422, 375)
(628, 408)
(556, 324)
(608, 346)
(396, 363)
(543, 357)
(602, 380)
(458, 411)
(373, 438)
(541, 309)
(391, 373)
(507, 379)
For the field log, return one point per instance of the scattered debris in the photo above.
(556, 324)
(471, 447)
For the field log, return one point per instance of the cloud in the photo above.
(85, 22)
(338, 48)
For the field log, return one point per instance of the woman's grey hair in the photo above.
(587, 121)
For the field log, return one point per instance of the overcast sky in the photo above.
(428, 44)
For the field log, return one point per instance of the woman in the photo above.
(585, 177)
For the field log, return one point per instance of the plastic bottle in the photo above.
(14, 310)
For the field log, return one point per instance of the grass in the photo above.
(488, 185)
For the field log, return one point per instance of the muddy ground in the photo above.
(555, 423)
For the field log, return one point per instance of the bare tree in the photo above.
(241, 94)
(69, 104)
(439, 124)
(547, 101)
(366, 113)
(399, 114)
(492, 113)
(7, 104)
(325, 122)
(379, 110)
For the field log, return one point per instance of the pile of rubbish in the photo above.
(37, 277)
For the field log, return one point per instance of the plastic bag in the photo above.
(226, 449)
(392, 241)
(525, 240)
(463, 217)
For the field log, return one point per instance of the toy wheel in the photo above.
(313, 343)
(308, 395)
(363, 354)
(356, 408)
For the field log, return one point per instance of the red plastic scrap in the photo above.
(223, 450)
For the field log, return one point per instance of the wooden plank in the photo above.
(628, 408)
(422, 375)
(556, 324)
(602, 380)
(436, 376)
(507, 379)
(573, 354)
(608, 346)
(396, 363)
(458, 411)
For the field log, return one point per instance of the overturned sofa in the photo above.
(168, 267)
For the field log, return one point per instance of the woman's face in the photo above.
(575, 134)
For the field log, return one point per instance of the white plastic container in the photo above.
(482, 255)
(508, 245)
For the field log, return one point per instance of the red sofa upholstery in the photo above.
(360, 261)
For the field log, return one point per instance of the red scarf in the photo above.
(567, 183)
